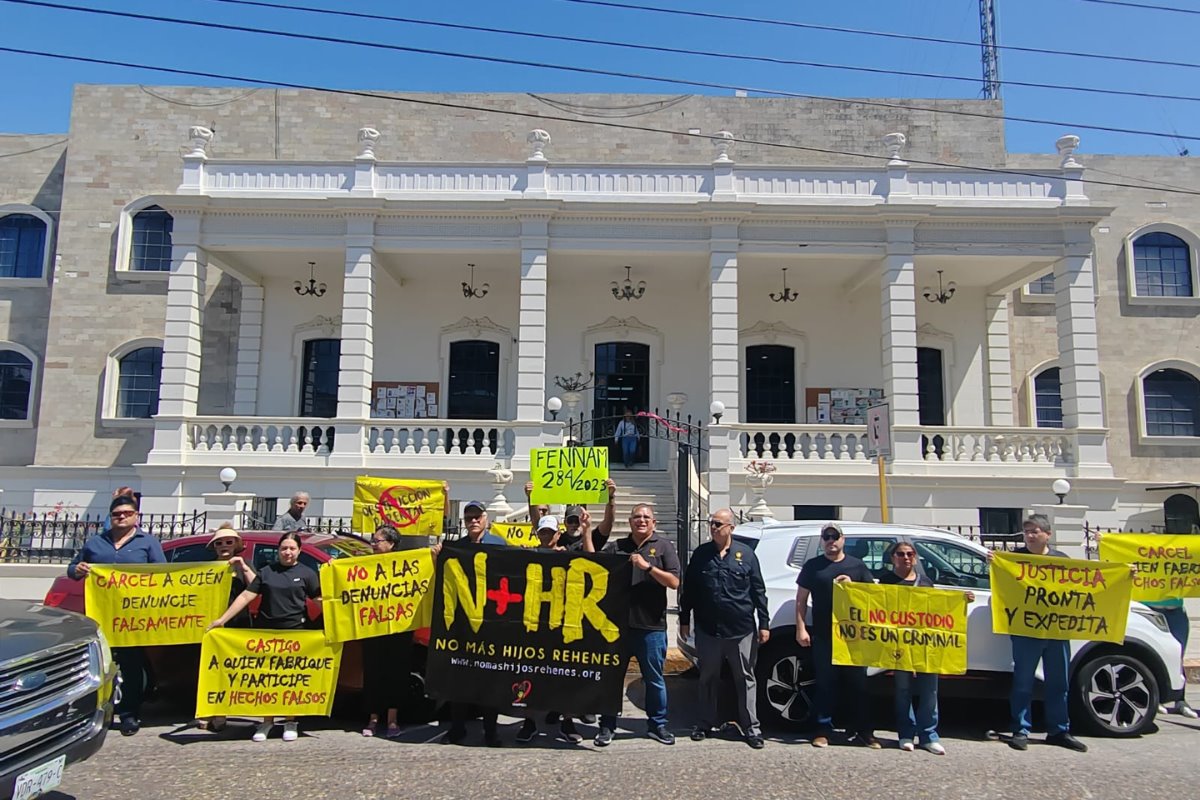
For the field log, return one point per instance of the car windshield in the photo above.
(345, 548)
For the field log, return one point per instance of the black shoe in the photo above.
(567, 731)
(588, 719)
(1019, 741)
(755, 741)
(659, 733)
(700, 733)
(492, 738)
(455, 735)
(553, 717)
(130, 725)
(1068, 741)
(603, 738)
(527, 732)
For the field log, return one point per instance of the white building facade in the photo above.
(790, 295)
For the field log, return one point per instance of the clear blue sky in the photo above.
(38, 91)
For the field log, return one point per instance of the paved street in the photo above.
(330, 762)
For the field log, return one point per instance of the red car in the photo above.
(172, 670)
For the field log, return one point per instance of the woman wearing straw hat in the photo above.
(226, 544)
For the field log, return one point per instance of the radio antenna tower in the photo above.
(987, 41)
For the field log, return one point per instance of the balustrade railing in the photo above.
(995, 445)
(253, 435)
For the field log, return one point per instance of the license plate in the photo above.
(39, 780)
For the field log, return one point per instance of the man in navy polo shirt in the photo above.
(122, 543)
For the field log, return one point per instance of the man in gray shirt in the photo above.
(293, 518)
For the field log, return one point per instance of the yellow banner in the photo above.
(1168, 564)
(517, 534)
(899, 627)
(413, 507)
(262, 673)
(1060, 598)
(377, 595)
(153, 604)
(569, 475)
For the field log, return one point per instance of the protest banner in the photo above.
(897, 627)
(1046, 597)
(264, 673)
(377, 595)
(412, 507)
(517, 534)
(569, 475)
(1168, 566)
(517, 629)
(137, 605)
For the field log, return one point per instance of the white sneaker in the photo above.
(290, 733)
(264, 728)
(907, 746)
(1184, 710)
(1163, 711)
(935, 748)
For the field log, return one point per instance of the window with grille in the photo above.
(16, 380)
(1172, 400)
(140, 375)
(771, 384)
(151, 249)
(1047, 399)
(1162, 266)
(22, 246)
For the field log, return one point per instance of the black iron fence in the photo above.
(54, 538)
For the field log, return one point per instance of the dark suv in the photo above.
(58, 683)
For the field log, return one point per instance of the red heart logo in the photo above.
(521, 691)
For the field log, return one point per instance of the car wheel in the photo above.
(1114, 695)
(785, 684)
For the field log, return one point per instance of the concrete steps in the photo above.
(644, 486)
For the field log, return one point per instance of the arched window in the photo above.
(1162, 266)
(16, 381)
(1047, 399)
(1182, 514)
(1172, 401)
(22, 246)
(151, 250)
(139, 377)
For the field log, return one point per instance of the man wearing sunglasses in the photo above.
(816, 580)
(122, 543)
(724, 587)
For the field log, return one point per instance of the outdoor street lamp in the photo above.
(554, 405)
(716, 408)
(227, 476)
(1060, 487)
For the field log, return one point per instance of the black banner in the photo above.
(516, 629)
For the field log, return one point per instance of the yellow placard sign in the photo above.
(517, 534)
(1047, 597)
(153, 604)
(898, 627)
(1168, 565)
(569, 474)
(412, 507)
(264, 673)
(377, 595)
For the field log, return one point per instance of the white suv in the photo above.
(1114, 690)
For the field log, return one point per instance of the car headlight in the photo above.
(104, 653)
(1153, 617)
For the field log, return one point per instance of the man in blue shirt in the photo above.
(122, 543)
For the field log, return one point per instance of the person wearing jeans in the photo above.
(1179, 625)
(655, 569)
(627, 434)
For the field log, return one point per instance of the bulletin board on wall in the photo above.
(405, 400)
(839, 405)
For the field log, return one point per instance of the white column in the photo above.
(179, 388)
(1078, 356)
(245, 388)
(531, 335)
(999, 362)
(723, 352)
(899, 342)
(357, 365)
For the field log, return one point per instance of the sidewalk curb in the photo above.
(1191, 669)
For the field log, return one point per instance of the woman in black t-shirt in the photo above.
(285, 586)
(921, 686)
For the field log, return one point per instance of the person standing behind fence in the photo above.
(285, 587)
(293, 518)
(123, 542)
(626, 435)
(724, 587)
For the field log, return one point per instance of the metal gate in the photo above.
(690, 439)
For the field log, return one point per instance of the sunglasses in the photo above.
(904, 554)
(716, 523)
(225, 542)
(830, 537)
(122, 514)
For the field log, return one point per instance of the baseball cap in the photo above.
(573, 511)
(547, 522)
(832, 526)
(475, 504)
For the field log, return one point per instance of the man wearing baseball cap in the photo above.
(578, 519)
(475, 520)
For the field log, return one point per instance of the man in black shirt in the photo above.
(725, 588)
(816, 580)
(655, 569)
